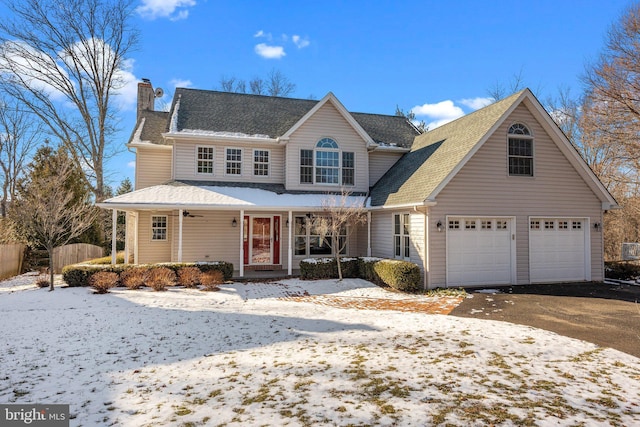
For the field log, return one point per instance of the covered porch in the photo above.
(263, 233)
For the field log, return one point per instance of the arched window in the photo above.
(520, 146)
(327, 164)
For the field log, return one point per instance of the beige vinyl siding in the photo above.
(186, 167)
(209, 237)
(483, 187)
(382, 245)
(382, 234)
(380, 162)
(150, 251)
(327, 122)
(153, 166)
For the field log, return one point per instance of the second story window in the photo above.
(520, 150)
(261, 162)
(327, 164)
(234, 161)
(204, 162)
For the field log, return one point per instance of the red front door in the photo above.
(261, 239)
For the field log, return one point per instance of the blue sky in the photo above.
(440, 58)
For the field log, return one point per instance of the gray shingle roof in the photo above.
(155, 123)
(272, 116)
(434, 155)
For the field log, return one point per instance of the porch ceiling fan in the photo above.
(189, 214)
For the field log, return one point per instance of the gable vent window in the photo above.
(520, 150)
(327, 164)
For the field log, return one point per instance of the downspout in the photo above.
(425, 249)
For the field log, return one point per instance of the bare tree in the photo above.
(341, 215)
(499, 90)
(275, 84)
(256, 85)
(420, 125)
(278, 84)
(48, 214)
(65, 60)
(613, 82)
(19, 134)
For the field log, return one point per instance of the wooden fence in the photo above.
(73, 254)
(11, 258)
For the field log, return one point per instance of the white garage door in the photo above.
(557, 249)
(479, 251)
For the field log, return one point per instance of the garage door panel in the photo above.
(478, 252)
(557, 250)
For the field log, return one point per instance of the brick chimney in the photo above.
(146, 97)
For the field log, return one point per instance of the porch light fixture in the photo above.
(234, 223)
(439, 225)
(596, 226)
(287, 223)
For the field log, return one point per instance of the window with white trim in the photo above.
(327, 164)
(309, 239)
(158, 227)
(520, 150)
(261, 162)
(401, 236)
(234, 161)
(204, 160)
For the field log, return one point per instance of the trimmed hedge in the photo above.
(78, 274)
(400, 275)
(327, 268)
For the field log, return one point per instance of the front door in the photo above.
(261, 240)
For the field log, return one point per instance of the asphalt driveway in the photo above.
(607, 315)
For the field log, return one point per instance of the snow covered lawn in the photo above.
(251, 354)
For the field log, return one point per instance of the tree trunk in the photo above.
(337, 249)
(50, 251)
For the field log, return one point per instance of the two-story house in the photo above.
(496, 197)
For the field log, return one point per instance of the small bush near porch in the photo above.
(401, 275)
(79, 274)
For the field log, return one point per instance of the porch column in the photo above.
(290, 248)
(114, 226)
(180, 235)
(368, 233)
(127, 247)
(136, 217)
(241, 224)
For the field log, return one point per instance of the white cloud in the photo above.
(131, 164)
(180, 83)
(300, 42)
(476, 103)
(171, 9)
(275, 48)
(439, 113)
(269, 52)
